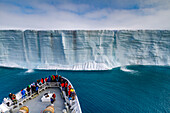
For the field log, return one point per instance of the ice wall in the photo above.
(83, 50)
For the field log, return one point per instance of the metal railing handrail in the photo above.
(77, 101)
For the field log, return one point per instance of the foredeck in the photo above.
(36, 106)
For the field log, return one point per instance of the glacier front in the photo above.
(83, 49)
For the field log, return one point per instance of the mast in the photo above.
(56, 72)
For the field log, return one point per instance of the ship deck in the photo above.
(36, 106)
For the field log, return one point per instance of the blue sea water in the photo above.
(140, 89)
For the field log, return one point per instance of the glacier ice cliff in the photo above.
(83, 49)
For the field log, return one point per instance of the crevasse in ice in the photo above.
(83, 49)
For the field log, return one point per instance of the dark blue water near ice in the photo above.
(146, 89)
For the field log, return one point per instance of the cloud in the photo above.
(158, 4)
(37, 15)
(73, 7)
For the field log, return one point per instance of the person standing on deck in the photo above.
(57, 78)
(42, 80)
(62, 80)
(49, 79)
(37, 89)
(10, 96)
(66, 89)
(63, 86)
(53, 98)
(53, 78)
(69, 94)
(14, 99)
(23, 93)
(69, 87)
(28, 90)
(32, 88)
(46, 79)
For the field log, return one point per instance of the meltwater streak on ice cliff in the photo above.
(83, 50)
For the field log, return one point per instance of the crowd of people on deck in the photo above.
(63, 83)
(34, 87)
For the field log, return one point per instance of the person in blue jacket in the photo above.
(37, 89)
(23, 92)
(49, 79)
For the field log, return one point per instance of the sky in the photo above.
(85, 14)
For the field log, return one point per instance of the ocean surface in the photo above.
(131, 89)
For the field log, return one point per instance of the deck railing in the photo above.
(75, 103)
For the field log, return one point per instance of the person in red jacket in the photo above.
(66, 89)
(69, 87)
(46, 79)
(54, 96)
(66, 84)
(69, 95)
(57, 78)
(42, 80)
(63, 86)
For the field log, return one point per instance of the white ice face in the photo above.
(83, 50)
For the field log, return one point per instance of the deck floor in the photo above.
(36, 106)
